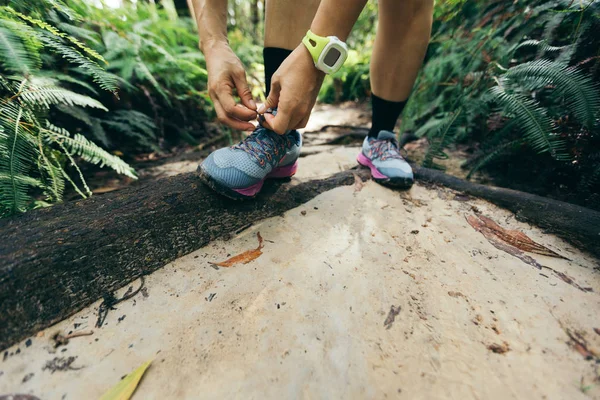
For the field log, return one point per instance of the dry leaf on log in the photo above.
(245, 257)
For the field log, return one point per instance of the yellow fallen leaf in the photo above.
(124, 389)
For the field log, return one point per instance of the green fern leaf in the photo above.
(104, 79)
(441, 139)
(581, 94)
(494, 154)
(47, 96)
(13, 54)
(534, 122)
(89, 151)
(17, 157)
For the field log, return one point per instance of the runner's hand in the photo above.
(294, 89)
(226, 74)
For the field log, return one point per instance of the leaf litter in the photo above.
(125, 388)
(515, 242)
(245, 257)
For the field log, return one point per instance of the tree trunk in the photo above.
(576, 224)
(56, 261)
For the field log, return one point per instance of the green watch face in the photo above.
(332, 57)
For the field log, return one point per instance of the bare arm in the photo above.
(211, 17)
(296, 84)
(337, 17)
(226, 74)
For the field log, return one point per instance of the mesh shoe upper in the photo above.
(385, 155)
(251, 160)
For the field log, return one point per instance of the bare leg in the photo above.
(400, 45)
(286, 22)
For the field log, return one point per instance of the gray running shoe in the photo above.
(239, 171)
(383, 157)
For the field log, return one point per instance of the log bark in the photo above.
(58, 260)
(578, 225)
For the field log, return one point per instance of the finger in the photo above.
(273, 99)
(281, 122)
(231, 122)
(266, 120)
(303, 122)
(233, 110)
(243, 91)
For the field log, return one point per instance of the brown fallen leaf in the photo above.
(579, 344)
(245, 257)
(498, 243)
(498, 237)
(518, 239)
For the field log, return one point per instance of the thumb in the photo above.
(243, 91)
(281, 122)
(272, 101)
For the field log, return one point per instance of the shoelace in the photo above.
(385, 149)
(265, 146)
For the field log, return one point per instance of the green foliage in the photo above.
(517, 81)
(523, 76)
(36, 156)
(154, 53)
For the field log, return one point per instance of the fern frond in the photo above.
(86, 34)
(54, 31)
(97, 131)
(77, 113)
(104, 79)
(582, 95)
(142, 69)
(17, 157)
(534, 122)
(47, 96)
(14, 56)
(135, 125)
(69, 79)
(494, 154)
(88, 151)
(64, 9)
(542, 45)
(441, 139)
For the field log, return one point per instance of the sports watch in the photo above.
(329, 53)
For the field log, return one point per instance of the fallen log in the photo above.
(58, 260)
(578, 225)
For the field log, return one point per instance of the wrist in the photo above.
(309, 59)
(210, 45)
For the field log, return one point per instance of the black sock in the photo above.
(273, 58)
(385, 114)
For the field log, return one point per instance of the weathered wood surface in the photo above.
(578, 225)
(55, 261)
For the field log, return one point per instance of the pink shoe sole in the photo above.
(363, 160)
(280, 172)
(378, 177)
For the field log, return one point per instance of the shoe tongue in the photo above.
(385, 135)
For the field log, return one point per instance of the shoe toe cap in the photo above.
(396, 169)
(229, 176)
